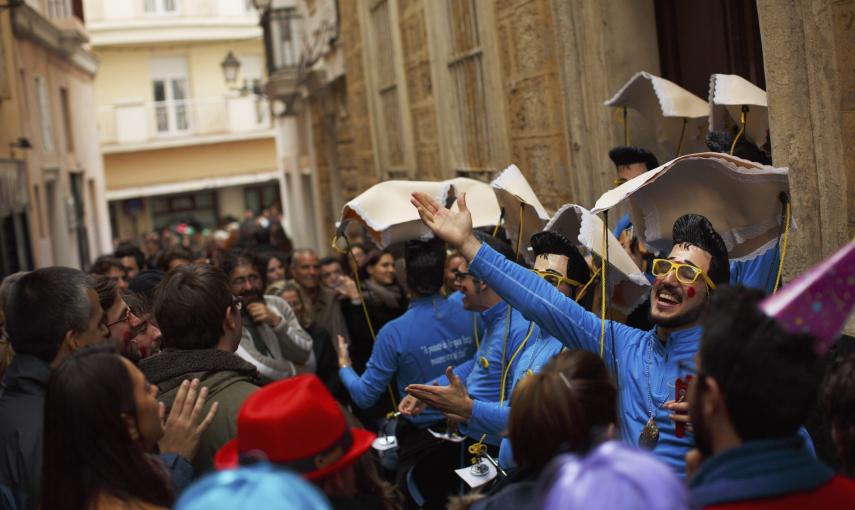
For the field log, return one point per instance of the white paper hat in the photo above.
(728, 94)
(627, 284)
(480, 199)
(668, 107)
(739, 197)
(517, 199)
(387, 214)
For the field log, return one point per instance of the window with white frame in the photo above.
(45, 118)
(171, 95)
(280, 32)
(160, 6)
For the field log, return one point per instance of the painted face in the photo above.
(471, 289)
(553, 263)
(147, 338)
(627, 172)
(331, 274)
(121, 323)
(305, 270)
(148, 422)
(674, 304)
(131, 267)
(245, 281)
(96, 329)
(275, 271)
(383, 272)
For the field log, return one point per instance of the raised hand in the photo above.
(411, 406)
(184, 426)
(455, 228)
(343, 354)
(452, 399)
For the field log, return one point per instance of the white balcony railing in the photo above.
(137, 122)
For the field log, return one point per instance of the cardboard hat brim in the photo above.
(628, 286)
(665, 104)
(739, 197)
(480, 199)
(728, 94)
(517, 199)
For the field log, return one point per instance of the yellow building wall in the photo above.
(144, 168)
(125, 73)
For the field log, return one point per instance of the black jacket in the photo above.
(22, 402)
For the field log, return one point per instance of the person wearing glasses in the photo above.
(119, 320)
(644, 362)
(200, 320)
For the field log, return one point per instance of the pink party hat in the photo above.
(818, 302)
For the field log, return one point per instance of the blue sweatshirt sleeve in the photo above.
(558, 315)
(491, 417)
(379, 371)
(757, 273)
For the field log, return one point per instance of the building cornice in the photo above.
(64, 37)
(171, 30)
(188, 141)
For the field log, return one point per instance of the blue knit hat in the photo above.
(252, 487)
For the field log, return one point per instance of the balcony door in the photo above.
(171, 95)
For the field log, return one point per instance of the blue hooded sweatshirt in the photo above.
(645, 367)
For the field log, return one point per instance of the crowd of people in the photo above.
(226, 369)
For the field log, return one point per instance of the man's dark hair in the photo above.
(330, 259)
(107, 291)
(237, 258)
(130, 250)
(425, 263)
(190, 304)
(624, 155)
(105, 263)
(769, 378)
(497, 244)
(59, 292)
(549, 242)
(145, 282)
(696, 230)
(721, 141)
(173, 253)
(838, 401)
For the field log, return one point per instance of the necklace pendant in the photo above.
(649, 435)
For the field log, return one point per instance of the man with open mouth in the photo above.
(645, 363)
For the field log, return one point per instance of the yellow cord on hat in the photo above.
(603, 297)
(743, 120)
(519, 232)
(584, 289)
(625, 128)
(787, 213)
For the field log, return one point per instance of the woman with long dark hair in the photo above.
(102, 421)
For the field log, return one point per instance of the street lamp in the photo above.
(231, 66)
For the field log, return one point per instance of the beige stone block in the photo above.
(419, 85)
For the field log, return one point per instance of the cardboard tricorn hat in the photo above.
(818, 302)
(627, 285)
(679, 117)
(518, 202)
(742, 200)
(384, 210)
(729, 95)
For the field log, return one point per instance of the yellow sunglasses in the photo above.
(686, 273)
(555, 278)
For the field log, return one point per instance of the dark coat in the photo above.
(230, 380)
(21, 428)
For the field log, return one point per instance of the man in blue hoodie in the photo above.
(645, 363)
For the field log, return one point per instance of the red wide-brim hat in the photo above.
(228, 457)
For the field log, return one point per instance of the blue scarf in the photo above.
(758, 469)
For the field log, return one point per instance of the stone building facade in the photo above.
(434, 89)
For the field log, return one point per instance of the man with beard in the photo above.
(754, 385)
(272, 338)
(645, 363)
(121, 321)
